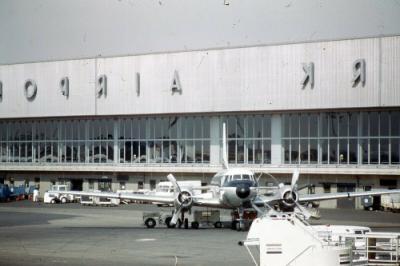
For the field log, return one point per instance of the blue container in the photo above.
(4, 192)
(18, 191)
(29, 190)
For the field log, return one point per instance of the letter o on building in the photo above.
(30, 89)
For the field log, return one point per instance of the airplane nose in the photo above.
(243, 191)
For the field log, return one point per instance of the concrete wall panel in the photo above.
(263, 78)
(48, 101)
(390, 84)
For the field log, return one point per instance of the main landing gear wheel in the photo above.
(186, 223)
(195, 225)
(168, 222)
(234, 225)
(218, 224)
(239, 226)
(150, 223)
(63, 200)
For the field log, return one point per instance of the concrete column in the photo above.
(85, 185)
(215, 145)
(276, 140)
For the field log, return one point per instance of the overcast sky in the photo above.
(43, 30)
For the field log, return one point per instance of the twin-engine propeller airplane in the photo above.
(237, 189)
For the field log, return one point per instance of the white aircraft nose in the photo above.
(243, 191)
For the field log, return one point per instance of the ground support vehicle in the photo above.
(205, 218)
(151, 219)
(4, 193)
(15, 193)
(390, 202)
(101, 201)
(98, 201)
(199, 219)
(56, 195)
(86, 200)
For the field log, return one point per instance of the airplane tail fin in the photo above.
(224, 147)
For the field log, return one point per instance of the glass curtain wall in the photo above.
(249, 139)
(341, 138)
(164, 140)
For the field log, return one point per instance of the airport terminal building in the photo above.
(329, 108)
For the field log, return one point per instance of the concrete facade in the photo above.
(265, 78)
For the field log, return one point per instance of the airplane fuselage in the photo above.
(235, 188)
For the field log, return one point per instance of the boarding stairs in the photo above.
(374, 248)
(370, 249)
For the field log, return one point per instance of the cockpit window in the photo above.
(237, 177)
(247, 177)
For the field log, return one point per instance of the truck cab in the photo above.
(55, 194)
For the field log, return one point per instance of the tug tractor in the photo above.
(151, 219)
(200, 219)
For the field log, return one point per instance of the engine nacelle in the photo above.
(288, 200)
(184, 199)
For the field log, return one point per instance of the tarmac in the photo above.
(71, 234)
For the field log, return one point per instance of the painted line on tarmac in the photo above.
(145, 239)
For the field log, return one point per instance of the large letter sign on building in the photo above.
(64, 86)
(358, 72)
(308, 75)
(101, 86)
(176, 85)
(30, 89)
(137, 83)
(1, 91)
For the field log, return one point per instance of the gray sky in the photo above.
(42, 30)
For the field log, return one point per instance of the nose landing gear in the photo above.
(242, 219)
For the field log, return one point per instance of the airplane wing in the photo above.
(260, 200)
(267, 190)
(341, 195)
(208, 202)
(122, 195)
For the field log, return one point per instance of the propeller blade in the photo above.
(172, 179)
(278, 184)
(176, 214)
(295, 178)
(260, 211)
(304, 211)
(305, 186)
